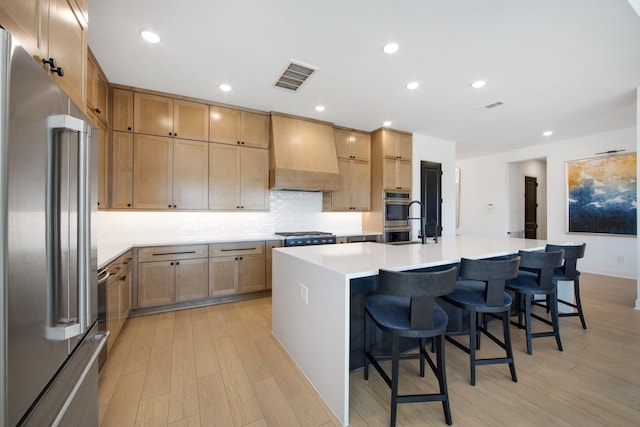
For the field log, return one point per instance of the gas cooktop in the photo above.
(307, 238)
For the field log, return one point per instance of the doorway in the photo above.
(431, 196)
(530, 207)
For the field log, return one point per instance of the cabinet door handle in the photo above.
(173, 253)
(52, 65)
(238, 249)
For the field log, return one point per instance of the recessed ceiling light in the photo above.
(478, 84)
(413, 85)
(225, 87)
(319, 107)
(547, 133)
(150, 36)
(386, 124)
(390, 48)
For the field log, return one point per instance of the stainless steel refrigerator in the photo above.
(48, 300)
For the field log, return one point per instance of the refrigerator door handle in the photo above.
(61, 328)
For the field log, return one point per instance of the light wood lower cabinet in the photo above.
(236, 268)
(269, 259)
(168, 274)
(118, 295)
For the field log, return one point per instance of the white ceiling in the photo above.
(572, 66)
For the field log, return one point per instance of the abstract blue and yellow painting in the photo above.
(602, 195)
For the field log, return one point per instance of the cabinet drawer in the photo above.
(233, 249)
(170, 253)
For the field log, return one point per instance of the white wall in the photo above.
(485, 180)
(444, 152)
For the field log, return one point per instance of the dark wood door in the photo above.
(530, 207)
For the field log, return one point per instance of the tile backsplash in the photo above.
(290, 211)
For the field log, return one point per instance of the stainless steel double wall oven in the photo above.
(396, 216)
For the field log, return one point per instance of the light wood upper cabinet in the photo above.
(121, 160)
(153, 114)
(238, 177)
(190, 120)
(67, 44)
(97, 91)
(190, 174)
(103, 167)
(53, 29)
(396, 145)
(152, 172)
(163, 116)
(352, 144)
(355, 188)
(390, 161)
(231, 126)
(396, 174)
(122, 110)
(26, 14)
(353, 149)
(169, 173)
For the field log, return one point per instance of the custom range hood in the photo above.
(303, 154)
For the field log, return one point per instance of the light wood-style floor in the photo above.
(220, 366)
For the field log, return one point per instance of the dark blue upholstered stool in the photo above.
(404, 306)
(569, 272)
(480, 290)
(536, 278)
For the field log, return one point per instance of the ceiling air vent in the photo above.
(494, 105)
(295, 75)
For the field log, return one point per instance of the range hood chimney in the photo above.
(303, 154)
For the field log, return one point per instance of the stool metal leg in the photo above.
(576, 291)
(507, 344)
(395, 371)
(473, 334)
(442, 377)
(554, 319)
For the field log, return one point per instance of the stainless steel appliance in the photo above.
(396, 216)
(396, 208)
(397, 234)
(307, 238)
(48, 291)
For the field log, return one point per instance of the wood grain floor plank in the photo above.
(213, 402)
(275, 407)
(242, 400)
(183, 395)
(153, 412)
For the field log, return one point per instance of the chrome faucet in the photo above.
(423, 234)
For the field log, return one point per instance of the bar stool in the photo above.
(569, 272)
(480, 290)
(536, 278)
(404, 306)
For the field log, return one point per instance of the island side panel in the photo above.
(315, 334)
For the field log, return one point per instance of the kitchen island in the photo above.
(311, 298)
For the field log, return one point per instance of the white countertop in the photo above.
(364, 259)
(110, 248)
